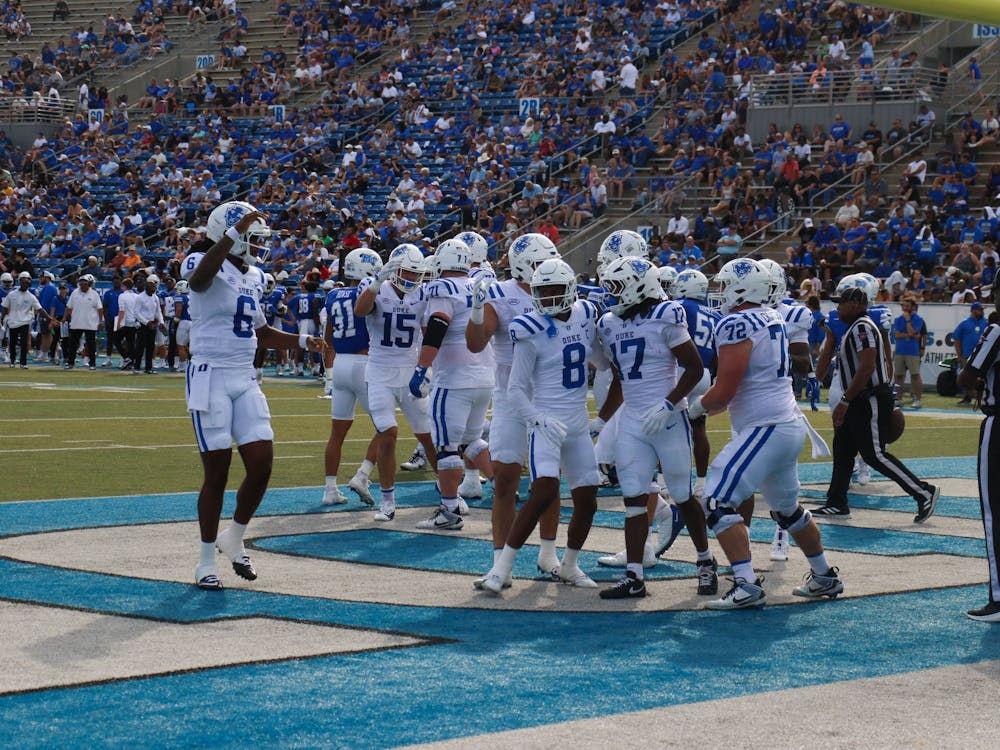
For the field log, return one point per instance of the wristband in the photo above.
(232, 234)
(304, 341)
(845, 400)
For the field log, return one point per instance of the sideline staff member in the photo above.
(984, 363)
(861, 417)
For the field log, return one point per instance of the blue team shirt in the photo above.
(46, 294)
(877, 313)
(701, 322)
(270, 304)
(908, 346)
(304, 305)
(110, 303)
(968, 332)
(348, 333)
(183, 299)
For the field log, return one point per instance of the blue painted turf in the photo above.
(495, 670)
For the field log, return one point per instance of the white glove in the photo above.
(695, 409)
(658, 418)
(552, 429)
(480, 292)
(387, 272)
(596, 425)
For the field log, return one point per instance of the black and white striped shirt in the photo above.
(985, 360)
(863, 334)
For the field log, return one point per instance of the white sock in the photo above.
(331, 482)
(496, 555)
(818, 563)
(548, 549)
(705, 556)
(450, 503)
(389, 497)
(635, 569)
(366, 468)
(237, 530)
(743, 571)
(570, 557)
(471, 475)
(699, 485)
(207, 553)
(505, 561)
(661, 505)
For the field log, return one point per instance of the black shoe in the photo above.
(989, 613)
(244, 568)
(708, 578)
(628, 587)
(925, 508)
(833, 511)
(966, 400)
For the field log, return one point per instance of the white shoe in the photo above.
(576, 577)
(385, 514)
(779, 547)
(492, 582)
(620, 560)
(207, 577)
(864, 475)
(549, 568)
(417, 462)
(699, 488)
(332, 496)
(359, 483)
(470, 489)
(463, 507)
(742, 595)
(237, 554)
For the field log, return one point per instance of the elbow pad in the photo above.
(436, 329)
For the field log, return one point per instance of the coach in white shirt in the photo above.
(148, 318)
(19, 308)
(85, 314)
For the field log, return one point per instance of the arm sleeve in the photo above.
(519, 386)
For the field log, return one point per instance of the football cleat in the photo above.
(548, 569)
(815, 587)
(925, 508)
(332, 496)
(480, 583)
(463, 507)
(627, 587)
(359, 484)
(417, 462)
(742, 595)
(470, 489)
(575, 577)
(385, 514)
(207, 577)
(620, 560)
(708, 578)
(491, 582)
(989, 613)
(669, 523)
(234, 550)
(442, 520)
(779, 546)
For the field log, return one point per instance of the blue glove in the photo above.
(812, 390)
(419, 384)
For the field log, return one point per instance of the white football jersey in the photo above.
(764, 395)
(226, 316)
(549, 372)
(798, 322)
(455, 366)
(640, 349)
(508, 300)
(395, 336)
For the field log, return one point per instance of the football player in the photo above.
(754, 383)
(223, 396)
(462, 381)
(548, 388)
(347, 361)
(646, 338)
(494, 305)
(393, 312)
(182, 314)
(305, 307)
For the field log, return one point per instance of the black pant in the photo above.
(145, 344)
(75, 334)
(19, 336)
(865, 425)
(56, 338)
(989, 479)
(126, 343)
(171, 342)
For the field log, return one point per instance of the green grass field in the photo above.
(84, 434)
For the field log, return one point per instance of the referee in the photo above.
(861, 417)
(984, 363)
